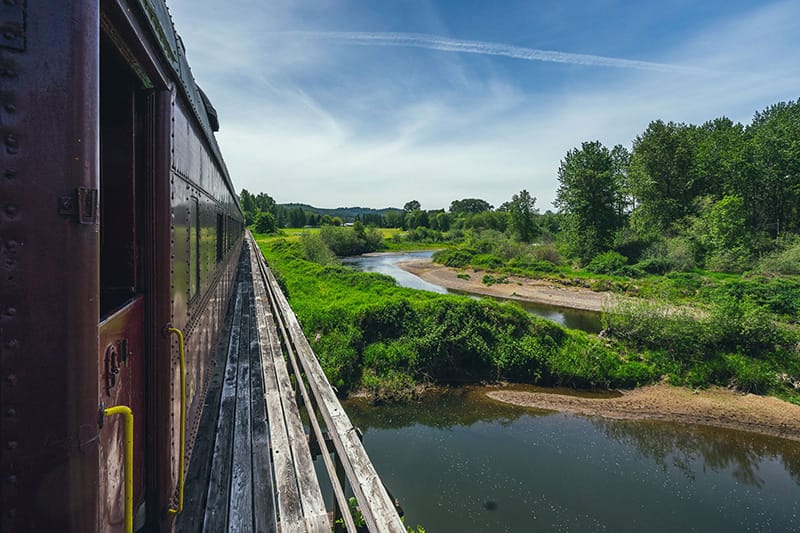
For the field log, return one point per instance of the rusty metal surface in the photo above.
(48, 289)
(128, 383)
(53, 375)
(160, 22)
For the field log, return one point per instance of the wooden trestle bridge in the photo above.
(252, 465)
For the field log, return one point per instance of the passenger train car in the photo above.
(120, 234)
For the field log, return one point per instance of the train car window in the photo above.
(194, 248)
(121, 184)
(220, 237)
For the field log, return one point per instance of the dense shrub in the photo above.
(371, 334)
(353, 240)
(457, 257)
(547, 252)
(783, 261)
(487, 261)
(607, 263)
(315, 249)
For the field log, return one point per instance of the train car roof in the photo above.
(160, 20)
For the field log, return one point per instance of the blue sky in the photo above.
(378, 102)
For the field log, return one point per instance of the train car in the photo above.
(120, 234)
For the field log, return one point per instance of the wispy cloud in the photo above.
(446, 44)
(358, 124)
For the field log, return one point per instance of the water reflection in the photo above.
(460, 461)
(688, 447)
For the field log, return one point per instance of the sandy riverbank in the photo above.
(712, 407)
(523, 289)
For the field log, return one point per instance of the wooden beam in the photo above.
(376, 505)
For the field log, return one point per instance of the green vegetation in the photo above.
(371, 334)
(701, 223)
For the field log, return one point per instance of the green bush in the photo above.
(490, 280)
(315, 249)
(265, 222)
(783, 261)
(607, 263)
(749, 375)
(547, 252)
(654, 265)
(353, 240)
(457, 257)
(487, 261)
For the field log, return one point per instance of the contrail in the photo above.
(435, 42)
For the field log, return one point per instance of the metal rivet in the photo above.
(11, 311)
(10, 108)
(12, 379)
(11, 412)
(12, 344)
(11, 445)
(11, 245)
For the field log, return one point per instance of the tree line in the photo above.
(518, 216)
(720, 194)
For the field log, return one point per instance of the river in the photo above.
(387, 264)
(458, 461)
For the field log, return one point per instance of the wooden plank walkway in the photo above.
(229, 483)
(251, 468)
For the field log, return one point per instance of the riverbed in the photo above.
(387, 263)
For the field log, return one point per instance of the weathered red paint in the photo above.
(58, 468)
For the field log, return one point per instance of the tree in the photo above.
(395, 219)
(662, 173)
(247, 201)
(587, 196)
(415, 219)
(296, 217)
(469, 205)
(413, 205)
(522, 210)
(773, 152)
(265, 222)
(620, 164)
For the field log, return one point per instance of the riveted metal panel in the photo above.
(12, 24)
(49, 310)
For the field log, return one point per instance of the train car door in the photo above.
(122, 356)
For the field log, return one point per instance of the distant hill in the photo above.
(347, 214)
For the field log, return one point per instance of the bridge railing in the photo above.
(298, 496)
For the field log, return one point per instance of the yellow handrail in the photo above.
(127, 414)
(181, 349)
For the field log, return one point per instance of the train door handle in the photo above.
(112, 367)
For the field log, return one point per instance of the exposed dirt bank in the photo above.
(712, 407)
(523, 289)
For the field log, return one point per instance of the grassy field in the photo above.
(392, 239)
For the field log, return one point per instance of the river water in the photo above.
(458, 461)
(387, 264)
